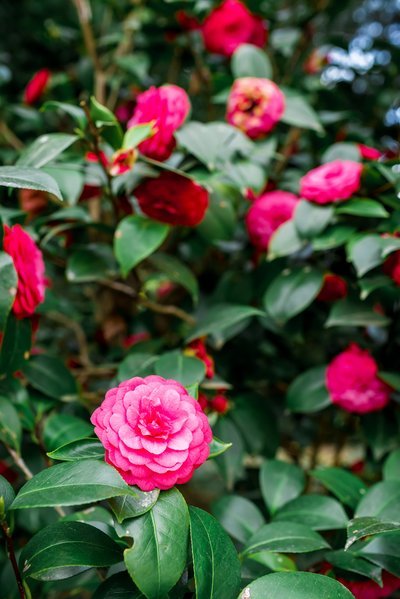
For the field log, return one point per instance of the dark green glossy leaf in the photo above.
(45, 148)
(136, 364)
(8, 286)
(384, 550)
(333, 237)
(218, 447)
(28, 178)
(299, 113)
(118, 586)
(215, 561)
(316, 511)
(17, 340)
(295, 585)
(185, 369)
(277, 562)
(310, 219)
(285, 537)
(132, 507)
(230, 463)
(365, 253)
(352, 313)
(280, 483)
(7, 496)
(367, 526)
(308, 392)
(177, 272)
(362, 207)
(391, 468)
(106, 121)
(95, 261)
(240, 517)
(285, 241)
(220, 317)
(345, 560)
(49, 375)
(75, 112)
(346, 486)
(60, 429)
(381, 501)
(10, 426)
(81, 449)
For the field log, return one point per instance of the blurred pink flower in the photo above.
(353, 383)
(332, 182)
(368, 152)
(154, 433)
(167, 107)
(267, 213)
(230, 25)
(255, 106)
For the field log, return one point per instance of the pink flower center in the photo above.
(154, 424)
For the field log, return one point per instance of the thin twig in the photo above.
(10, 137)
(11, 554)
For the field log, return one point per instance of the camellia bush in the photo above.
(200, 288)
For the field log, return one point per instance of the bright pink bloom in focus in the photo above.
(331, 182)
(369, 589)
(154, 433)
(255, 106)
(28, 262)
(369, 153)
(267, 213)
(334, 288)
(353, 383)
(230, 25)
(35, 88)
(166, 106)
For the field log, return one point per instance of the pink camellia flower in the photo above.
(334, 288)
(167, 107)
(369, 153)
(369, 589)
(29, 265)
(230, 25)
(332, 182)
(255, 106)
(267, 213)
(36, 86)
(154, 433)
(353, 383)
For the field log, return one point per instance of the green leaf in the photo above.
(370, 284)
(277, 562)
(136, 364)
(7, 496)
(177, 272)
(45, 148)
(49, 375)
(78, 114)
(250, 61)
(158, 556)
(105, 120)
(72, 483)
(345, 560)
(132, 507)
(230, 463)
(220, 317)
(391, 378)
(285, 537)
(218, 447)
(60, 429)
(367, 526)
(185, 369)
(280, 482)
(118, 586)
(310, 219)
(365, 253)
(341, 151)
(334, 236)
(381, 501)
(292, 292)
(95, 261)
(10, 426)
(64, 549)
(240, 517)
(352, 313)
(391, 467)
(384, 550)
(316, 511)
(136, 134)
(299, 113)
(220, 219)
(380, 433)
(308, 392)
(17, 340)
(136, 238)
(80, 449)
(70, 179)
(346, 486)
(8, 287)
(215, 562)
(295, 585)
(28, 178)
(285, 241)
(362, 207)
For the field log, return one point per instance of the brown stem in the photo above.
(10, 136)
(11, 554)
(287, 150)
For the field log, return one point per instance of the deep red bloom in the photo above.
(173, 199)
(230, 25)
(369, 589)
(28, 262)
(219, 403)
(334, 288)
(391, 267)
(197, 348)
(187, 22)
(36, 86)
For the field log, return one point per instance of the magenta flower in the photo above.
(332, 182)
(267, 213)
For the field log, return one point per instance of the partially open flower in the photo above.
(255, 106)
(369, 153)
(154, 433)
(36, 86)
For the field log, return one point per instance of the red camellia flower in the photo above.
(219, 403)
(369, 589)
(391, 267)
(334, 288)
(167, 107)
(267, 213)
(197, 348)
(230, 25)
(154, 433)
(255, 105)
(29, 265)
(353, 383)
(173, 199)
(332, 182)
(36, 86)
(369, 153)
(187, 22)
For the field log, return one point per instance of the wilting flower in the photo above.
(122, 161)
(255, 106)
(230, 25)
(167, 108)
(198, 349)
(29, 265)
(36, 86)
(332, 182)
(267, 213)
(334, 288)
(369, 153)
(154, 433)
(353, 383)
(173, 199)
(369, 589)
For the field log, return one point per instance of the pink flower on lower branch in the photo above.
(353, 383)
(154, 433)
